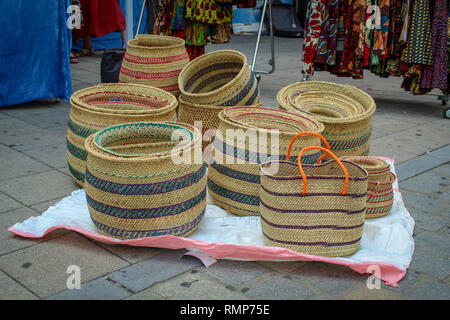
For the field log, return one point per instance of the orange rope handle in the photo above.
(308, 133)
(302, 172)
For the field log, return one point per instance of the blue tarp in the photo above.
(34, 51)
(35, 46)
(114, 40)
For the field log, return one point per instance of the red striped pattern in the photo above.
(149, 75)
(158, 60)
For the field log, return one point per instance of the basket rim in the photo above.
(224, 117)
(76, 102)
(93, 149)
(392, 178)
(133, 43)
(199, 60)
(363, 161)
(299, 177)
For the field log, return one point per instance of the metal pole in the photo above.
(129, 19)
(258, 39)
(140, 16)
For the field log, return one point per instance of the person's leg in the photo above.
(87, 49)
(124, 38)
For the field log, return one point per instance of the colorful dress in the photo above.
(435, 76)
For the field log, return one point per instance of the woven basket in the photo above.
(207, 115)
(135, 188)
(348, 122)
(104, 105)
(380, 195)
(220, 78)
(320, 211)
(233, 174)
(154, 60)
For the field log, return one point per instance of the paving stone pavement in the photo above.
(34, 176)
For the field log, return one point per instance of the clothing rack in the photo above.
(444, 97)
(271, 62)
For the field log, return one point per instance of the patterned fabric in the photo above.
(380, 45)
(419, 47)
(435, 76)
(313, 29)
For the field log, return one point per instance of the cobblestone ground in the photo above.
(34, 176)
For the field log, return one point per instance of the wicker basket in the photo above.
(220, 78)
(134, 186)
(380, 195)
(207, 115)
(233, 174)
(104, 105)
(348, 122)
(154, 60)
(320, 211)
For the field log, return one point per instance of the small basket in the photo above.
(380, 195)
(345, 111)
(134, 186)
(320, 211)
(221, 78)
(245, 138)
(104, 105)
(154, 60)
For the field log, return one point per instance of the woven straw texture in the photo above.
(154, 60)
(207, 115)
(323, 221)
(104, 105)
(380, 195)
(134, 186)
(345, 111)
(244, 139)
(220, 78)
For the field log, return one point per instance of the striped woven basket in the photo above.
(380, 195)
(246, 137)
(206, 115)
(320, 211)
(154, 60)
(220, 78)
(140, 182)
(345, 111)
(104, 105)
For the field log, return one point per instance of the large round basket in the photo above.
(246, 137)
(154, 60)
(220, 78)
(380, 194)
(104, 105)
(141, 182)
(345, 111)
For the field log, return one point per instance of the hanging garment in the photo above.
(435, 75)
(419, 48)
(160, 18)
(380, 37)
(326, 48)
(99, 17)
(317, 9)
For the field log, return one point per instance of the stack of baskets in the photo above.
(141, 183)
(245, 138)
(104, 105)
(345, 111)
(212, 82)
(380, 194)
(154, 60)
